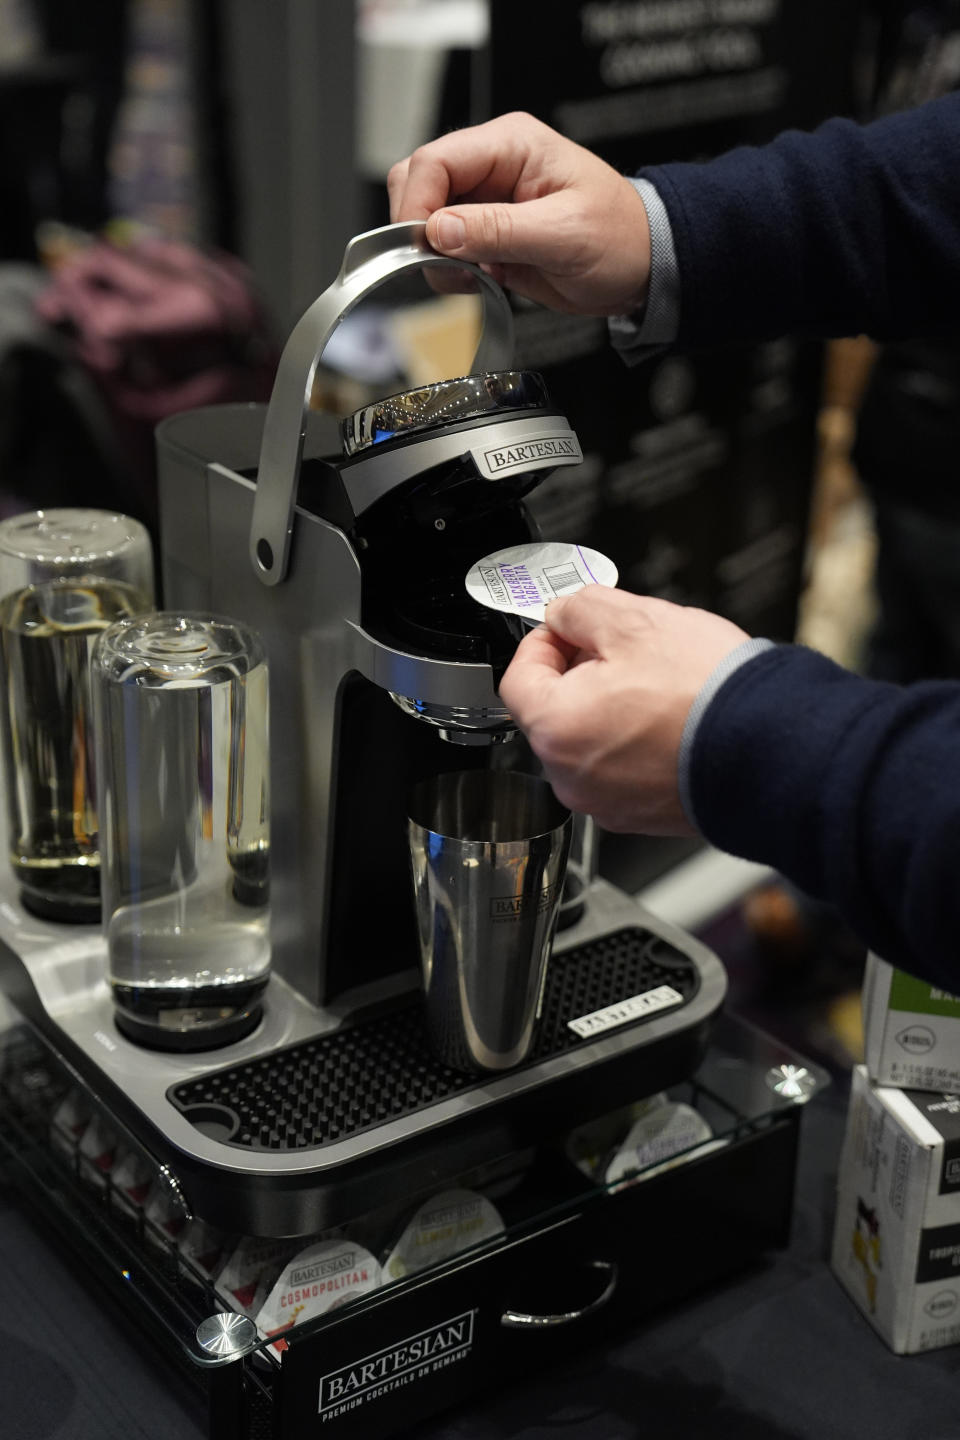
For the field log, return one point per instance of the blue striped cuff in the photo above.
(657, 328)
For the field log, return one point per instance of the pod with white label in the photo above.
(665, 1132)
(319, 1279)
(523, 579)
(453, 1221)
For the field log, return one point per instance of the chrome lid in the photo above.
(448, 402)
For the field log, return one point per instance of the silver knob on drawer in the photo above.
(226, 1334)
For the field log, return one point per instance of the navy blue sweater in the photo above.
(849, 787)
(853, 229)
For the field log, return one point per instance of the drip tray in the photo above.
(382, 1070)
(291, 1130)
(303, 1135)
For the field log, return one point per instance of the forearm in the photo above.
(852, 229)
(847, 787)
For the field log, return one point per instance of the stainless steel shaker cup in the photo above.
(488, 851)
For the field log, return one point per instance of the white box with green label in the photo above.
(911, 1030)
(896, 1239)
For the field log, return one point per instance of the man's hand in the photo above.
(547, 218)
(602, 691)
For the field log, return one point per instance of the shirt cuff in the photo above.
(744, 652)
(636, 338)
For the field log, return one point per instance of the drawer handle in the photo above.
(517, 1320)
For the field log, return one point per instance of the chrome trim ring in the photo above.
(494, 725)
(449, 402)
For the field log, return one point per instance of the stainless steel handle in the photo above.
(518, 1320)
(368, 262)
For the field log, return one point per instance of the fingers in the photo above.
(536, 232)
(548, 218)
(397, 187)
(488, 158)
(529, 248)
(603, 690)
(591, 619)
(541, 659)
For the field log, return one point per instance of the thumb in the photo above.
(588, 619)
(533, 674)
(528, 232)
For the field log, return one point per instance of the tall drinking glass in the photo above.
(65, 575)
(181, 711)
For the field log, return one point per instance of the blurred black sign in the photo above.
(660, 80)
(697, 472)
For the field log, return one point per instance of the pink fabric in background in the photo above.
(162, 326)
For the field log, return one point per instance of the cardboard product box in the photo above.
(896, 1242)
(911, 1030)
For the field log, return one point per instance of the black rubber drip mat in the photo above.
(379, 1070)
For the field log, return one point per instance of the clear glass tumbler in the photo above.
(182, 745)
(65, 575)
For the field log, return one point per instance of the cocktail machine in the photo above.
(345, 546)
